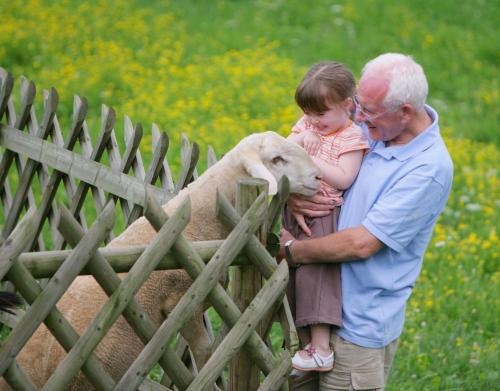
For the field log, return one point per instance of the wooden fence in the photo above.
(37, 229)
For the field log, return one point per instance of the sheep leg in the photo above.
(198, 339)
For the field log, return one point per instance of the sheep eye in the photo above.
(277, 159)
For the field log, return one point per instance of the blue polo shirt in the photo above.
(398, 195)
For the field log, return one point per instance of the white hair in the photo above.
(406, 79)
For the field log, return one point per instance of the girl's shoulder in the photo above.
(352, 130)
(352, 138)
(302, 125)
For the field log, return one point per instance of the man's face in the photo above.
(383, 124)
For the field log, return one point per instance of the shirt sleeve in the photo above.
(301, 126)
(353, 139)
(403, 211)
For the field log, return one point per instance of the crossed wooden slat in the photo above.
(78, 135)
(66, 166)
(83, 347)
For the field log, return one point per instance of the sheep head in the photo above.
(269, 156)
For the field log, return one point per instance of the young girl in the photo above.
(337, 146)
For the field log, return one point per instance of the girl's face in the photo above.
(331, 120)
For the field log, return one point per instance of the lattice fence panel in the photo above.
(42, 167)
(35, 176)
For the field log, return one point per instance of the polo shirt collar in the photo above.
(420, 143)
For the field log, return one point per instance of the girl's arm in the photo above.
(343, 175)
(297, 138)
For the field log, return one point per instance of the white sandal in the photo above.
(314, 362)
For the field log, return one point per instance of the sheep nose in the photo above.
(318, 177)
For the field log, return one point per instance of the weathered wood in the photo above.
(271, 291)
(119, 301)
(189, 160)
(185, 147)
(27, 98)
(108, 119)
(43, 176)
(258, 255)
(254, 249)
(86, 150)
(17, 242)
(44, 264)
(78, 167)
(246, 282)
(159, 152)
(279, 375)
(29, 288)
(193, 256)
(18, 379)
(134, 314)
(55, 288)
(6, 85)
(31, 165)
(6, 198)
(219, 298)
(50, 189)
(195, 295)
(133, 136)
(167, 183)
(278, 202)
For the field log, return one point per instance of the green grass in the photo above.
(454, 43)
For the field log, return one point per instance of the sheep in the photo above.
(264, 155)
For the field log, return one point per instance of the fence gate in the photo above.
(47, 171)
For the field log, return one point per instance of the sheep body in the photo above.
(266, 155)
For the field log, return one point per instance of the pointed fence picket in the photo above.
(41, 165)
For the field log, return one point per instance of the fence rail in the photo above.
(45, 168)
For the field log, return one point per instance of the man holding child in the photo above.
(385, 223)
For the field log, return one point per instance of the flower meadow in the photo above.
(218, 71)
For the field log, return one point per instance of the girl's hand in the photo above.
(312, 142)
(299, 217)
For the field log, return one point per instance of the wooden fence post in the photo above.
(246, 282)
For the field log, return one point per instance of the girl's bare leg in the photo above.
(320, 339)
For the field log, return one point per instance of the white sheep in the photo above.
(262, 155)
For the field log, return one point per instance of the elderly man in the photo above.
(385, 223)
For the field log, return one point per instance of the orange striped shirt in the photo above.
(350, 138)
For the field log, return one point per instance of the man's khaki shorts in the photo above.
(355, 368)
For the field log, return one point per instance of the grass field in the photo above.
(218, 70)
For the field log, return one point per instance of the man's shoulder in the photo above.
(436, 161)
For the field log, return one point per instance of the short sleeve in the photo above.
(301, 126)
(353, 139)
(402, 212)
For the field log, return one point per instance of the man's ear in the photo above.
(256, 169)
(407, 111)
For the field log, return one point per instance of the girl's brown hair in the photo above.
(325, 83)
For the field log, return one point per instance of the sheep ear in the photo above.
(256, 169)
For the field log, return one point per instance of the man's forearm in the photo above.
(346, 245)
